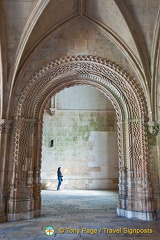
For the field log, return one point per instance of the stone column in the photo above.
(139, 195)
(4, 131)
(122, 169)
(22, 202)
(37, 152)
(154, 163)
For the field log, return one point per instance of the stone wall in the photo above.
(85, 141)
(80, 38)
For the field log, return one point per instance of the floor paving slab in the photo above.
(78, 209)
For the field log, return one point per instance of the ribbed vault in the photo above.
(123, 22)
(46, 20)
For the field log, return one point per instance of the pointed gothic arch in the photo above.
(135, 190)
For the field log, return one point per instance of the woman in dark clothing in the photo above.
(60, 179)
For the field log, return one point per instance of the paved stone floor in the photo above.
(80, 212)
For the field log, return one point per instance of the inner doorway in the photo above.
(80, 135)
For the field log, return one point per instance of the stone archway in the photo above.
(135, 190)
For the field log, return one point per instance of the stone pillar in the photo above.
(139, 195)
(37, 152)
(122, 169)
(24, 201)
(154, 163)
(4, 131)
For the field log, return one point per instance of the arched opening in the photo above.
(135, 195)
(82, 122)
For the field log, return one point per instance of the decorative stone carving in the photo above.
(84, 66)
(52, 111)
(131, 108)
(4, 128)
(153, 128)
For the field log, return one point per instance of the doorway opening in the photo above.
(82, 123)
(131, 109)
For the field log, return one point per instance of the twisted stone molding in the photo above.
(22, 146)
(131, 109)
(87, 64)
(86, 67)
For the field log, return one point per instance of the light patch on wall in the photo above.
(55, 176)
(48, 184)
(65, 170)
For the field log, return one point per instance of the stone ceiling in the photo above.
(132, 26)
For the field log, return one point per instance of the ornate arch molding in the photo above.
(135, 192)
(87, 65)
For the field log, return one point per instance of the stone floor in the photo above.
(83, 215)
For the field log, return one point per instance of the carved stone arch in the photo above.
(135, 192)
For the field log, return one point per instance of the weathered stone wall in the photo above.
(85, 141)
(79, 38)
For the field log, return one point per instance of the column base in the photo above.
(23, 216)
(146, 216)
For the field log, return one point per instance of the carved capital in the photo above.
(153, 128)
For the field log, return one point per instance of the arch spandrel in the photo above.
(131, 108)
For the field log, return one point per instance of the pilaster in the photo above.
(5, 127)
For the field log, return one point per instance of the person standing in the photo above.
(60, 179)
